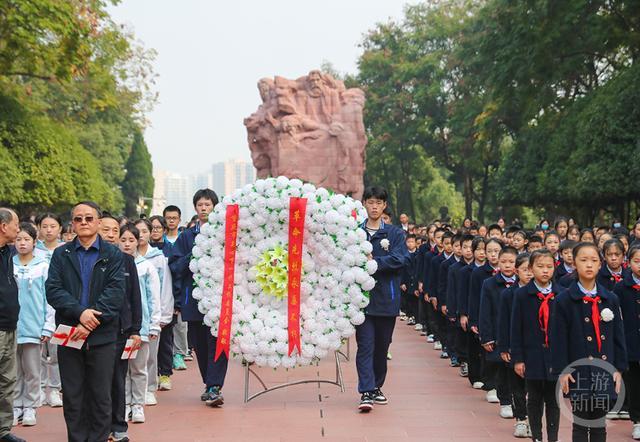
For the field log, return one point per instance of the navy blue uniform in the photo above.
(410, 301)
(574, 338)
(374, 334)
(628, 292)
(529, 345)
(478, 277)
(474, 351)
(607, 279)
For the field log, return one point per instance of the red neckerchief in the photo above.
(556, 262)
(636, 287)
(617, 276)
(595, 316)
(494, 272)
(543, 315)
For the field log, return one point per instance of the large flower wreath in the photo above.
(335, 278)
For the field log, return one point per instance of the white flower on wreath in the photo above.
(384, 243)
(606, 315)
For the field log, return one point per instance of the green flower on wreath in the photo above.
(272, 272)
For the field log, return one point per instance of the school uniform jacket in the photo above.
(452, 289)
(478, 276)
(434, 272)
(566, 280)
(384, 298)
(527, 337)
(628, 293)
(504, 319)
(462, 295)
(36, 318)
(607, 279)
(409, 273)
(443, 279)
(560, 271)
(489, 311)
(182, 276)
(573, 335)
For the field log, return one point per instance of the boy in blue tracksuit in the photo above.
(374, 334)
(212, 372)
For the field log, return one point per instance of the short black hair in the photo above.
(508, 250)
(144, 221)
(567, 244)
(494, 227)
(172, 208)
(411, 236)
(535, 238)
(107, 215)
(29, 229)
(466, 237)
(160, 219)
(206, 194)
(91, 204)
(376, 192)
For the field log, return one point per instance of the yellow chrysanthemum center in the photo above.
(271, 272)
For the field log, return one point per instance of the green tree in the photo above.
(138, 182)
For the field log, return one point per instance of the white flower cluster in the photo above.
(335, 277)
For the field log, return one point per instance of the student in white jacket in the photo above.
(160, 350)
(137, 378)
(35, 324)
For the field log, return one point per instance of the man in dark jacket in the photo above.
(374, 334)
(9, 309)
(86, 287)
(130, 323)
(212, 372)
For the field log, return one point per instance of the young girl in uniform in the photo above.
(628, 291)
(35, 324)
(533, 308)
(516, 383)
(493, 247)
(561, 226)
(137, 377)
(588, 325)
(611, 272)
(552, 244)
(473, 344)
(50, 228)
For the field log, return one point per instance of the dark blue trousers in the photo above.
(204, 343)
(373, 337)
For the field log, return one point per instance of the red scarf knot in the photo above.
(617, 276)
(543, 315)
(636, 287)
(556, 262)
(595, 316)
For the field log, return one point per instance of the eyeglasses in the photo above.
(80, 219)
(157, 228)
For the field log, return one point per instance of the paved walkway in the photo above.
(428, 402)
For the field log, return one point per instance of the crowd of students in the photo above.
(157, 317)
(514, 308)
(510, 308)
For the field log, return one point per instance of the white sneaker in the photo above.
(613, 415)
(42, 399)
(492, 397)
(150, 399)
(477, 385)
(17, 416)
(137, 414)
(29, 417)
(54, 400)
(418, 327)
(430, 339)
(635, 435)
(506, 412)
(521, 429)
(437, 345)
(127, 413)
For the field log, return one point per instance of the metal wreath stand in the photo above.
(339, 381)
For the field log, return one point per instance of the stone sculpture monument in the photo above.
(310, 128)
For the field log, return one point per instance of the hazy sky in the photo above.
(212, 53)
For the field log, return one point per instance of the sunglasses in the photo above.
(86, 219)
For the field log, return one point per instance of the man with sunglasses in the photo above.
(86, 287)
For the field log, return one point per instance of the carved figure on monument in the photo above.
(310, 128)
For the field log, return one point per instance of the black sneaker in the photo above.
(366, 402)
(214, 397)
(379, 398)
(205, 394)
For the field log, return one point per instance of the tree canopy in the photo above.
(80, 86)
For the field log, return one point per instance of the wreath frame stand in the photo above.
(338, 382)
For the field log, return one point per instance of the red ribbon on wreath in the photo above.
(297, 212)
(226, 309)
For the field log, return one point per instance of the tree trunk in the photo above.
(483, 194)
(468, 194)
